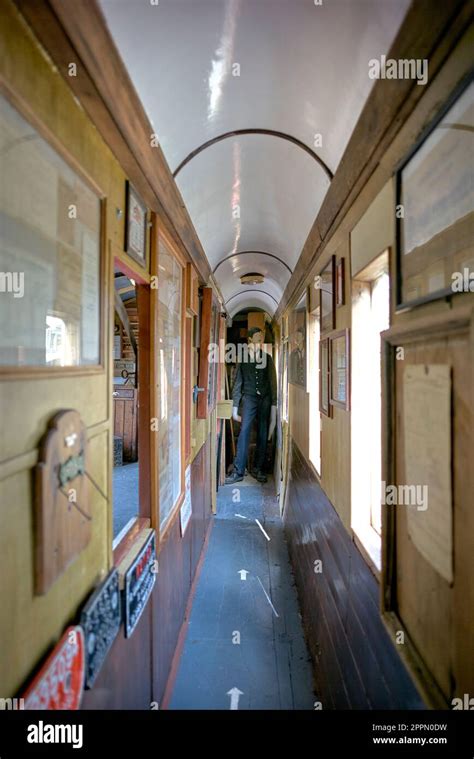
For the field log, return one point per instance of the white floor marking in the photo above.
(268, 597)
(234, 694)
(243, 574)
(262, 529)
(241, 516)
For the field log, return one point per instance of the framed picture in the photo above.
(327, 297)
(284, 379)
(297, 360)
(339, 369)
(52, 304)
(435, 206)
(324, 378)
(135, 226)
(209, 334)
(340, 283)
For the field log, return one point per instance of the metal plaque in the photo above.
(100, 619)
(138, 584)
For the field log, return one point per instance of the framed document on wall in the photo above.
(339, 369)
(297, 360)
(435, 207)
(208, 366)
(51, 263)
(135, 226)
(324, 378)
(340, 283)
(327, 296)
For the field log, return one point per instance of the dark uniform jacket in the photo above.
(252, 378)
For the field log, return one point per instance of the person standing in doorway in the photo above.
(255, 385)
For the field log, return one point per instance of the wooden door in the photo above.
(125, 420)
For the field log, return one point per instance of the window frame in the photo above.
(163, 531)
(11, 372)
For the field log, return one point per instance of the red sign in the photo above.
(60, 681)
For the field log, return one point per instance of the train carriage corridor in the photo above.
(237, 366)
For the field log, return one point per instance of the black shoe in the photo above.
(261, 476)
(234, 477)
(254, 472)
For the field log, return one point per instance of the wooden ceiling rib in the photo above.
(75, 31)
(264, 132)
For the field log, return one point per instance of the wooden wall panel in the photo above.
(177, 565)
(428, 603)
(136, 671)
(201, 500)
(336, 462)
(29, 624)
(36, 623)
(356, 664)
(124, 681)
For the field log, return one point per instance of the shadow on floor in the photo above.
(125, 490)
(245, 647)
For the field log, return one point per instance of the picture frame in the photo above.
(298, 352)
(62, 276)
(135, 226)
(340, 283)
(209, 333)
(327, 297)
(339, 369)
(324, 378)
(434, 209)
(284, 379)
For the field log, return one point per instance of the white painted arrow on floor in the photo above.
(243, 574)
(234, 694)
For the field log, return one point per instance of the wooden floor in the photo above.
(357, 665)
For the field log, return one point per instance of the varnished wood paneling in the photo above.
(26, 404)
(30, 625)
(177, 564)
(427, 603)
(125, 680)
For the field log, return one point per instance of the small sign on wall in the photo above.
(59, 683)
(139, 580)
(186, 507)
(101, 618)
(62, 498)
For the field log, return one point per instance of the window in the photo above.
(370, 317)
(170, 321)
(49, 254)
(314, 411)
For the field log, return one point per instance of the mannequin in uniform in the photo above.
(255, 384)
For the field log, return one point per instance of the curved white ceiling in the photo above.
(206, 67)
(230, 270)
(251, 300)
(253, 192)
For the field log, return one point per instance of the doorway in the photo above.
(131, 392)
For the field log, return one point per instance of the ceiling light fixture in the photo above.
(253, 278)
